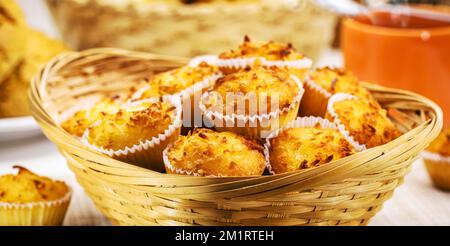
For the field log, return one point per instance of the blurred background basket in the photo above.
(345, 192)
(175, 28)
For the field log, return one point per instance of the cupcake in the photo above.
(367, 123)
(189, 82)
(77, 123)
(253, 101)
(437, 160)
(305, 143)
(322, 83)
(27, 199)
(204, 152)
(138, 132)
(249, 53)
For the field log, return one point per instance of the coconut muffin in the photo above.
(322, 83)
(204, 152)
(272, 51)
(137, 132)
(26, 187)
(365, 121)
(306, 143)
(30, 199)
(189, 82)
(177, 80)
(82, 119)
(269, 54)
(251, 100)
(437, 160)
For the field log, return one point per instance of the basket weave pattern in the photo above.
(348, 191)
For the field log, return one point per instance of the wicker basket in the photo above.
(345, 192)
(180, 29)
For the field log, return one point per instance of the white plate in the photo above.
(18, 128)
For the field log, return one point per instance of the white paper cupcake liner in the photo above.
(316, 87)
(239, 119)
(148, 143)
(310, 121)
(48, 213)
(435, 157)
(338, 97)
(238, 63)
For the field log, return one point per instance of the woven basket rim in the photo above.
(65, 139)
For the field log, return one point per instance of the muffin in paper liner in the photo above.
(438, 167)
(252, 126)
(330, 110)
(367, 122)
(147, 153)
(190, 97)
(300, 122)
(49, 213)
(297, 67)
(315, 100)
(247, 158)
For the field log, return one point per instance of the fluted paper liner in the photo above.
(338, 97)
(310, 121)
(233, 122)
(315, 100)
(147, 153)
(50, 213)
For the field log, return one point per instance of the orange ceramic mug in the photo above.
(416, 58)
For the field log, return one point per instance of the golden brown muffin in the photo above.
(27, 187)
(81, 120)
(268, 54)
(437, 160)
(271, 50)
(322, 83)
(335, 80)
(300, 148)
(177, 80)
(208, 153)
(131, 125)
(364, 120)
(441, 145)
(273, 88)
(12, 37)
(14, 90)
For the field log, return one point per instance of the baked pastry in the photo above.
(305, 143)
(437, 160)
(29, 199)
(82, 119)
(204, 152)
(12, 37)
(322, 83)
(13, 91)
(189, 82)
(137, 132)
(253, 101)
(271, 54)
(365, 121)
